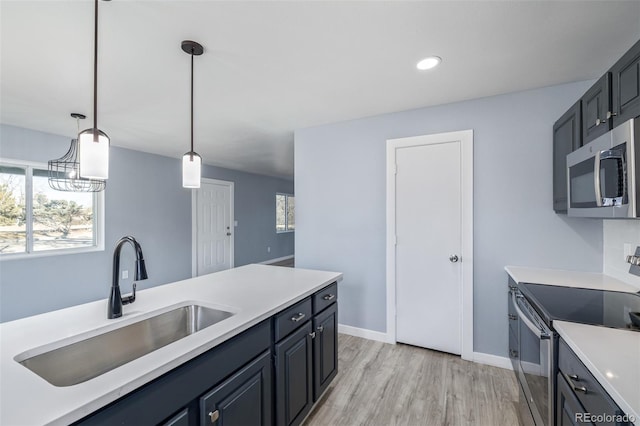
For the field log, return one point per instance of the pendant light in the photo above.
(191, 161)
(93, 142)
(64, 174)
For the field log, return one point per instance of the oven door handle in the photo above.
(530, 325)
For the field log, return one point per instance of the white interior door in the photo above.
(213, 232)
(428, 236)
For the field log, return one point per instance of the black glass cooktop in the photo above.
(599, 307)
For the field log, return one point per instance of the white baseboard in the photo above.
(494, 360)
(364, 333)
(278, 259)
(479, 357)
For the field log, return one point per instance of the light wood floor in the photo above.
(382, 384)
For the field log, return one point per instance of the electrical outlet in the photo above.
(268, 249)
(125, 275)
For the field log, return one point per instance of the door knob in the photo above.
(453, 258)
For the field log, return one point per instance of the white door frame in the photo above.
(194, 224)
(466, 144)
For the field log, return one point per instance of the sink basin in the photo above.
(80, 361)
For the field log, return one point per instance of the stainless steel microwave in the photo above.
(603, 176)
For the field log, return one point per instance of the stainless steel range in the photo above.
(533, 343)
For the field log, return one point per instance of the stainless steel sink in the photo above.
(80, 361)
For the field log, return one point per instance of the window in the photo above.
(35, 219)
(285, 213)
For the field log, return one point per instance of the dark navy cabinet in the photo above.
(567, 137)
(580, 392)
(243, 399)
(596, 103)
(306, 359)
(294, 376)
(325, 350)
(625, 86)
(569, 407)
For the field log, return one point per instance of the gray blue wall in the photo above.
(340, 202)
(143, 198)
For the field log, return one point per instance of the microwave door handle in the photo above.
(530, 325)
(596, 179)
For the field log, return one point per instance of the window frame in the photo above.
(286, 217)
(98, 217)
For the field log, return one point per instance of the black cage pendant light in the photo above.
(191, 161)
(94, 143)
(64, 172)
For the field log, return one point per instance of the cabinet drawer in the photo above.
(325, 297)
(292, 318)
(595, 400)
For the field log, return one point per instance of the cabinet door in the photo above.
(567, 137)
(325, 349)
(180, 419)
(625, 78)
(243, 399)
(595, 105)
(294, 378)
(569, 409)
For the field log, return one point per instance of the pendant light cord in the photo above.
(95, 76)
(191, 157)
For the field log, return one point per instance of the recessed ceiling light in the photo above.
(428, 63)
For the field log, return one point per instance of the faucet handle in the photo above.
(130, 299)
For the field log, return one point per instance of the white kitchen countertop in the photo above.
(560, 277)
(612, 356)
(252, 292)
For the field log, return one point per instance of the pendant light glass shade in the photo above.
(94, 156)
(64, 172)
(191, 170)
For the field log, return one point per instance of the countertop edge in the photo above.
(568, 278)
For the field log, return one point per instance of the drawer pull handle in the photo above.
(329, 296)
(312, 334)
(214, 415)
(570, 378)
(298, 317)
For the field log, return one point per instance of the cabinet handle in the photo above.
(513, 353)
(312, 334)
(570, 378)
(611, 114)
(329, 296)
(513, 317)
(214, 415)
(298, 317)
(599, 122)
(320, 328)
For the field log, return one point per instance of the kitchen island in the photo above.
(253, 293)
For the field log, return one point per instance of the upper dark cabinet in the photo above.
(625, 86)
(596, 104)
(567, 137)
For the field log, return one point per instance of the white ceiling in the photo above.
(272, 67)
